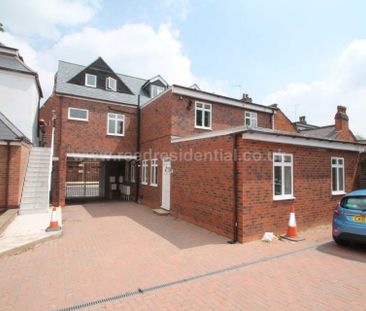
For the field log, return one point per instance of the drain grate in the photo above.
(141, 291)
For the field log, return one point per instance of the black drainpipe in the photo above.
(7, 177)
(138, 162)
(235, 191)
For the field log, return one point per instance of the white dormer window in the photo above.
(111, 84)
(251, 119)
(90, 80)
(156, 90)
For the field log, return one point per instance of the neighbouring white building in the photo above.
(20, 92)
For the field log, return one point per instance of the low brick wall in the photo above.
(19, 156)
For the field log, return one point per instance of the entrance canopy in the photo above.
(97, 156)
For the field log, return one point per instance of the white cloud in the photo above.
(42, 18)
(133, 49)
(345, 85)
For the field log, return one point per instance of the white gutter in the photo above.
(101, 156)
(303, 141)
(197, 94)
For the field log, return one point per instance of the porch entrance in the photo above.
(91, 180)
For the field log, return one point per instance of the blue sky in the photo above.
(309, 56)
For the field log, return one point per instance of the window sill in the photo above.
(118, 135)
(203, 128)
(282, 198)
(144, 183)
(153, 185)
(75, 119)
(338, 193)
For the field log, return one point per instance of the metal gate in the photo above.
(85, 179)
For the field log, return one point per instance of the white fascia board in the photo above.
(300, 141)
(95, 100)
(14, 143)
(208, 134)
(101, 156)
(218, 99)
(156, 78)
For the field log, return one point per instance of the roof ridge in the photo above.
(120, 74)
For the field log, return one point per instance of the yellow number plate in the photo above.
(359, 218)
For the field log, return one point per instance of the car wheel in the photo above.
(340, 241)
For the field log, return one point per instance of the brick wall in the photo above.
(19, 156)
(282, 123)
(155, 141)
(202, 191)
(85, 137)
(168, 116)
(223, 116)
(314, 202)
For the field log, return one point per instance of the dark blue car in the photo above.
(349, 219)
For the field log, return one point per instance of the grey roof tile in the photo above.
(66, 71)
(14, 63)
(322, 132)
(8, 131)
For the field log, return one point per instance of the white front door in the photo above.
(165, 202)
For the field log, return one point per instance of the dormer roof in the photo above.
(70, 80)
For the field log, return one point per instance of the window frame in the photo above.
(107, 84)
(86, 80)
(116, 122)
(154, 172)
(282, 164)
(156, 87)
(132, 172)
(69, 117)
(144, 166)
(203, 109)
(337, 166)
(251, 117)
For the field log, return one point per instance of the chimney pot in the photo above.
(341, 119)
(245, 98)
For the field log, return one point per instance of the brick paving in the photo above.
(108, 249)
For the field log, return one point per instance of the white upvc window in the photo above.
(283, 180)
(338, 182)
(132, 170)
(127, 165)
(156, 90)
(154, 173)
(203, 115)
(251, 119)
(144, 172)
(78, 114)
(116, 124)
(90, 80)
(111, 84)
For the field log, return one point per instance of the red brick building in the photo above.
(228, 165)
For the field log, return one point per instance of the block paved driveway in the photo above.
(108, 249)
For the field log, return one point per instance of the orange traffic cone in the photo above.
(292, 228)
(54, 226)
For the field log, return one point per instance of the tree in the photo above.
(1, 27)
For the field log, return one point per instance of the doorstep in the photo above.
(161, 212)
